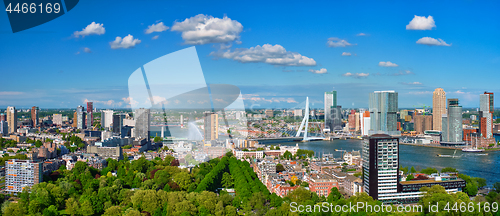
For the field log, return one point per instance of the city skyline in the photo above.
(357, 50)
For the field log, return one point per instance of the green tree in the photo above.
(409, 177)
(287, 155)
(157, 139)
(334, 195)
(227, 180)
(449, 169)
(280, 168)
(412, 170)
(183, 179)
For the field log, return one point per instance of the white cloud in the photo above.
(432, 41)
(400, 73)
(255, 98)
(337, 42)
(203, 29)
(356, 75)
(411, 83)
(421, 23)
(155, 37)
(92, 29)
(87, 50)
(125, 43)
(346, 54)
(267, 53)
(10, 93)
(420, 92)
(320, 71)
(158, 27)
(387, 64)
(459, 92)
(361, 34)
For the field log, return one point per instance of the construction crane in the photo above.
(423, 106)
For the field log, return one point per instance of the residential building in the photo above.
(322, 184)
(107, 119)
(3, 117)
(57, 119)
(438, 108)
(21, 174)
(90, 114)
(12, 119)
(365, 123)
(381, 166)
(269, 113)
(106, 152)
(211, 126)
(80, 118)
(142, 123)
(383, 112)
(422, 123)
(452, 122)
(35, 120)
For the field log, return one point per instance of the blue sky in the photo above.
(48, 66)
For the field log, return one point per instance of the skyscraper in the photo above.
(80, 118)
(12, 119)
(118, 122)
(34, 116)
(383, 112)
(452, 122)
(90, 114)
(142, 123)
(486, 115)
(106, 119)
(381, 166)
(330, 102)
(4, 128)
(422, 123)
(438, 108)
(211, 126)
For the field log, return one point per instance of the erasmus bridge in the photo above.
(304, 126)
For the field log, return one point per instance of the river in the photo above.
(484, 166)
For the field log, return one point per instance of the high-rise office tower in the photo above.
(486, 115)
(211, 126)
(142, 123)
(118, 122)
(106, 119)
(3, 117)
(383, 112)
(330, 102)
(75, 119)
(381, 166)
(12, 119)
(90, 114)
(438, 108)
(34, 116)
(80, 118)
(452, 122)
(4, 127)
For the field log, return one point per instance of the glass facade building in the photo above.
(383, 112)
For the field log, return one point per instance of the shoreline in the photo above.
(445, 147)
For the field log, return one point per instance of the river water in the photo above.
(484, 166)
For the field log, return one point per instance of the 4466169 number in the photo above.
(33, 8)
(471, 207)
